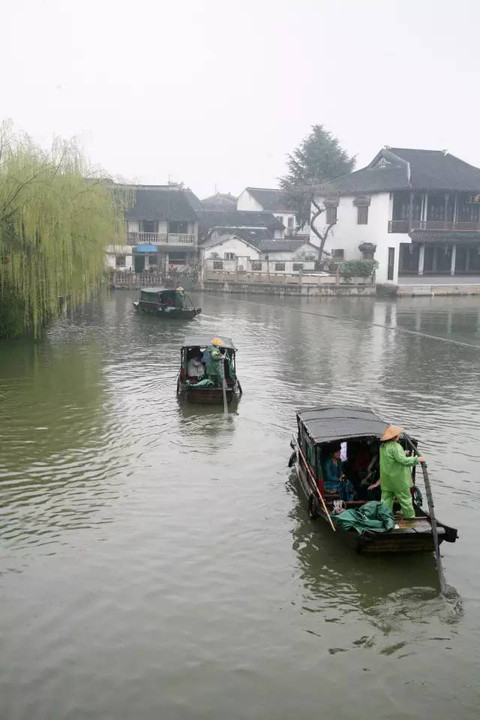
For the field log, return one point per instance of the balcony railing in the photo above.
(405, 226)
(149, 238)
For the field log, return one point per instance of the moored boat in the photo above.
(208, 370)
(167, 303)
(358, 431)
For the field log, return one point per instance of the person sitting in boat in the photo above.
(334, 478)
(395, 472)
(195, 367)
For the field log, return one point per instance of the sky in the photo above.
(215, 93)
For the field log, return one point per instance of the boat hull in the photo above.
(167, 314)
(411, 535)
(206, 395)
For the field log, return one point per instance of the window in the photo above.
(229, 256)
(338, 254)
(290, 223)
(279, 267)
(120, 261)
(297, 267)
(178, 227)
(256, 265)
(331, 215)
(218, 265)
(149, 226)
(362, 215)
(391, 263)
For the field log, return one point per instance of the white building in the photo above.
(270, 200)
(161, 230)
(419, 209)
(233, 253)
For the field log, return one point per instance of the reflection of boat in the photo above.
(318, 429)
(167, 303)
(205, 365)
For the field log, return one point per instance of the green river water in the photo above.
(157, 562)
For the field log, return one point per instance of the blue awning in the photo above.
(146, 248)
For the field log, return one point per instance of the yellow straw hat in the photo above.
(391, 432)
(216, 341)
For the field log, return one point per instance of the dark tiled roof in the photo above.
(438, 170)
(254, 237)
(411, 169)
(237, 219)
(425, 236)
(271, 199)
(220, 201)
(162, 202)
(371, 180)
(210, 242)
(287, 245)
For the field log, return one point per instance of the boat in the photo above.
(357, 427)
(172, 303)
(205, 361)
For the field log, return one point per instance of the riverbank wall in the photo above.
(287, 289)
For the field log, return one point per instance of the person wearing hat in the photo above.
(395, 473)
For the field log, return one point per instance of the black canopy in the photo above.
(205, 340)
(325, 424)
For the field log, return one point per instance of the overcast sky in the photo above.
(216, 93)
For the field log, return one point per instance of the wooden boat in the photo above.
(167, 303)
(194, 383)
(318, 428)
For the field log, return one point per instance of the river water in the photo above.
(156, 559)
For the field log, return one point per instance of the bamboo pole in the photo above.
(433, 521)
(318, 493)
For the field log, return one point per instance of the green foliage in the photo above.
(56, 218)
(318, 159)
(357, 268)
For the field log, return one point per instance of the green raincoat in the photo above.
(396, 477)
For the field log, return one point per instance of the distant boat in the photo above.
(319, 429)
(167, 303)
(201, 376)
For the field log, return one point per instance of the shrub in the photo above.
(357, 268)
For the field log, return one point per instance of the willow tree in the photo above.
(56, 218)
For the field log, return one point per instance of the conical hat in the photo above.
(216, 341)
(391, 432)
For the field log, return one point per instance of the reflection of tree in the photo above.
(54, 438)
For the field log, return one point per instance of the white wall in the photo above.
(348, 235)
(245, 264)
(111, 253)
(232, 245)
(297, 256)
(133, 226)
(245, 201)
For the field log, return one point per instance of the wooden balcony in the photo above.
(406, 226)
(148, 238)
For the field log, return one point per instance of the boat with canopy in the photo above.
(208, 371)
(167, 303)
(367, 524)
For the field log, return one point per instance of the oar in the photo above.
(224, 388)
(431, 510)
(317, 492)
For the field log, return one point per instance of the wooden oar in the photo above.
(433, 521)
(317, 491)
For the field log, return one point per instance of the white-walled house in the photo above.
(418, 208)
(229, 247)
(232, 253)
(270, 200)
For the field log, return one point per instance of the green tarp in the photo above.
(373, 516)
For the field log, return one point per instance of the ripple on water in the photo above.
(157, 560)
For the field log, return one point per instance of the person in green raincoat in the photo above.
(395, 473)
